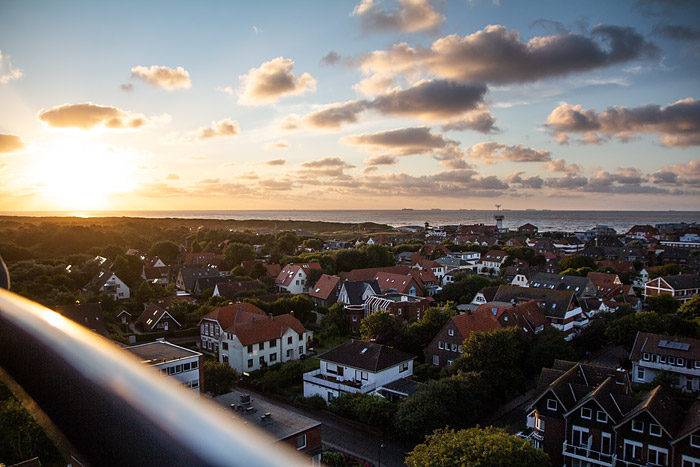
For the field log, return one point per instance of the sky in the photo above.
(365, 104)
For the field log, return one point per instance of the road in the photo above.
(348, 437)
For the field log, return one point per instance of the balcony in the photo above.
(586, 454)
(332, 382)
(110, 408)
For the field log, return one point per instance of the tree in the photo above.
(258, 270)
(576, 262)
(379, 326)
(236, 253)
(624, 330)
(287, 243)
(21, 437)
(663, 304)
(315, 244)
(691, 308)
(665, 270)
(219, 378)
(367, 408)
(166, 250)
(483, 447)
(335, 322)
(463, 290)
(544, 348)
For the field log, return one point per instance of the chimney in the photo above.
(270, 315)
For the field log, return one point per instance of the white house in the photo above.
(641, 279)
(213, 324)
(254, 341)
(358, 366)
(293, 278)
(356, 292)
(182, 364)
(680, 356)
(115, 287)
(493, 260)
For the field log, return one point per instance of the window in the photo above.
(633, 450)
(638, 426)
(301, 441)
(640, 373)
(363, 375)
(695, 441)
(194, 365)
(225, 358)
(601, 416)
(450, 332)
(440, 345)
(224, 345)
(654, 429)
(301, 349)
(605, 443)
(261, 360)
(551, 404)
(186, 366)
(586, 413)
(671, 360)
(662, 358)
(453, 347)
(273, 357)
(449, 362)
(436, 360)
(354, 318)
(680, 361)
(580, 436)
(289, 340)
(697, 364)
(249, 349)
(273, 343)
(250, 363)
(289, 353)
(646, 356)
(690, 461)
(403, 367)
(657, 456)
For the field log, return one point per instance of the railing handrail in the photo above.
(114, 410)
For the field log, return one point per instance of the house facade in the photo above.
(357, 366)
(294, 278)
(212, 325)
(183, 365)
(155, 318)
(679, 356)
(403, 307)
(683, 287)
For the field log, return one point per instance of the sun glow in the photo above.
(78, 174)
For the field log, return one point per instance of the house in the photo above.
(167, 302)
(187, 276)
(679, 356)
(447, 344)
(429, 265)
(404, 307)
(519, 276)
(283, 426)
(358, 366)
(89, 315)
(213, 324)
(254, 341)
(398, 283)
(155, 318)
(568, 245)
(183, 365)
(356, 292)
(492, 262)
(367, 274)
(205, 259)
(609, 285)
(451, 276)
(582, 287)
(293, 278)
(586, 415)
(123, 316)
(231, 289)
(641, 279)
(646, 232)
(528, 229)
(157, 275)
(683, 287)
(325, 292)
(558, 306)
(485, 295)
(108, 282)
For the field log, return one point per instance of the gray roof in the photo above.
(89, 315)
(575, 284)
(281, 424)
(684, 281)
(155, 353)
(354, 289)
(366, 355)
(554, 303)
(403, 386)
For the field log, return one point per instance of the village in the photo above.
(585, 345)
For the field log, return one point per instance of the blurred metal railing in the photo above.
(113, 410)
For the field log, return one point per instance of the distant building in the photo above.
(404, 307)
(89, 315)
(180, 363)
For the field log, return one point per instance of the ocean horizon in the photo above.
(545, 220)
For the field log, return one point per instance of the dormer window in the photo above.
(451, 332)
(671, 360)
(551, 404)
(638, 426)
(654, 429)
(601, 416)
(586, 413)
(646, 357)
(680, 361)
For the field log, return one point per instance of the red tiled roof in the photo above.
(399, 282)
(273, 270)
(227, 315)
(367, 274)
(288, 273)
(481, 320)
(325, 286)
(424, 276)
(152, 273)
(261, 329)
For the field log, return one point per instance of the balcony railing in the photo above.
(583, 452)
(316, 377)
(113, 410)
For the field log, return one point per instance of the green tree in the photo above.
(665, 270)
(379, 326)
(691, 308)
(21, 437)
(315, 244)
(258, 270)
(544, 348)
(236, 253)
(166, 250)
(476, 447)
(624, 330)
(335, 322)
(463, 289)
(287, 243)
(576, 262)
(219, 378)
(663, 304)
(366, 408)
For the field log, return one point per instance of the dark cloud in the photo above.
(126, 87)
(677, 124)
(410, 16)
(491, 152)
(276, 162)
(331, 58)
(382, 159)
(677, 32)
(10, 143)
(534, 182)
(567, 182)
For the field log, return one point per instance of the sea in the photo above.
(545, 220)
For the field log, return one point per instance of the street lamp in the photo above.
(381, 445)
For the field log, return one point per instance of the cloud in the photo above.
(226, 90)
(272, 80)
(275, 162)
(412, 141)
(331, 58)
(560, 165)
(496, 55)
(568, 182)
(172, 177)
(433, 100)
(163, 77)
(11, 73)
(10, 143)
(683, 173)
(333, 167)
(222, 128)
(534, 182)
(257, 30)
(411, 16)
(281, 144)
(89, 115)
(677, 124)
(381, 159)
(480, 120)
(491, 152)
(677, 32)
(126, 87)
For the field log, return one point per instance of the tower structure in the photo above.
(499, 218)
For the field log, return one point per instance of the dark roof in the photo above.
(155, 353)
(191, 274)
(230, 289)
(403, 386)
(152, 315)
(553, 303)
(660, 344)
(545, 280)
(684, 281)
(89, 315)
(489, 293)
(354, 289)
(691, 422)
(366, 355)
(660, 406)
